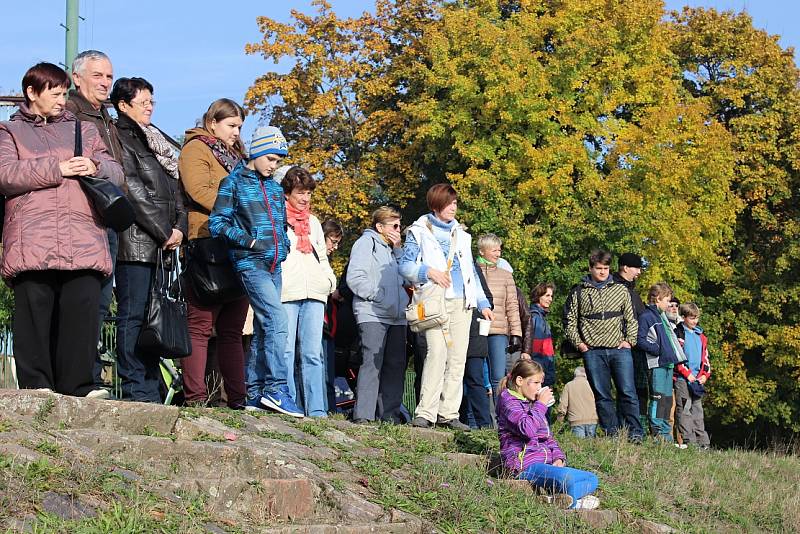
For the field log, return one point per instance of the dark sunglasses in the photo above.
(395, 226)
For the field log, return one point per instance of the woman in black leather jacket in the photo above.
(161, 222)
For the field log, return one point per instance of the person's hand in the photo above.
(488, 314)
(394, 238)
(77, 166)
(337, 296)
(691, 378)
(439, 278)
(583, 347)
(524, 356)
(545, 395)
(514, 343)
(558, 463)
(624, 345)
(702, 379)
(174, 240)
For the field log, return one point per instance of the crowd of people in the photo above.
(491, 347)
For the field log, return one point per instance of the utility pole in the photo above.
(71, 33)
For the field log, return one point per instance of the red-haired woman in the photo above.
(425, 261)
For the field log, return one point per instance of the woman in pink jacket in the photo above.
(55, 247)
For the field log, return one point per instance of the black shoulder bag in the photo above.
(110, 203)
(165, 330)
(209, 272)
(568, 350)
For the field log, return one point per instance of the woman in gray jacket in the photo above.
(379, 302)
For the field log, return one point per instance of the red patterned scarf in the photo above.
(299, 221)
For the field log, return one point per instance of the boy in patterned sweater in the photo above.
(250, 213)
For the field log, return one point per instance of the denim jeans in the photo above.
(139, 371)
(476, 400)
(574, 482)
(106, 292)
(305, 319)
(266, 370)
(584, 431)
(603, 365)
(498, 343)
(548, 363)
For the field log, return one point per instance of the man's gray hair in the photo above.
(87, 55)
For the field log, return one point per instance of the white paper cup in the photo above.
(483, 326)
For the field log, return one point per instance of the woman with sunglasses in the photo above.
(379, 303)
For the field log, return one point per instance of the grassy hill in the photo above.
(71, 470)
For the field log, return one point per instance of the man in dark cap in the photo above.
(628, 270)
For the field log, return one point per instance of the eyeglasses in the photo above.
(395, 226)
(145, 103)
(334, 242)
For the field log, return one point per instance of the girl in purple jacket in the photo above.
(527, 446)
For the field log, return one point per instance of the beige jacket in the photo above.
(307, 276)
(577, 402)
(504, 297)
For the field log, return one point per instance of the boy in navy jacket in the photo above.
(663, 351)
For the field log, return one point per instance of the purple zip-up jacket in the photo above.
(525, 437)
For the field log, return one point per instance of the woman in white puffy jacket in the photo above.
(307, 281)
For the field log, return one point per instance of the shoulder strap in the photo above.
(78, 139)
(451, 254)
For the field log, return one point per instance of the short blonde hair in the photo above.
(489, 240)
(658, 291)
(383, 214)
(690, 309)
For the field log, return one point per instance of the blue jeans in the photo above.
(601, 366)
(106, 292)
(138, 370)
(574, 482)
(548, 363)
(475, 402)
(305, 319)
(584, 431)
(498, 343)
(265, 365)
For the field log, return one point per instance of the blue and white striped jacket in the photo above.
(250, 212)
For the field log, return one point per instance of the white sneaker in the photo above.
(681, 446)
(590, 502)
(98, 394)
(44, 390)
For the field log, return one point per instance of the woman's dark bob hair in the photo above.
(43, 76)
(126, 89)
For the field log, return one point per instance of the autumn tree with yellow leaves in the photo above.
(566, 126)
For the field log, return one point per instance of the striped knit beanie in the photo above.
(268, 140)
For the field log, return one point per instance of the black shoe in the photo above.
(453, 424)
(636, 440)
(361, 421)
(421, 422)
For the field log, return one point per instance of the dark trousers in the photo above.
(379, 393)
(137, 370)
(329, 355)
(475, 398)
(229, 320)
(55, 328)
(106, 292)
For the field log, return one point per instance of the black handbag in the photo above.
(209, 272)
(165, 330)
(109, 201)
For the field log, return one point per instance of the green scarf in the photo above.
(484, 261)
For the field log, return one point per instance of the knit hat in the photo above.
(630, 260)
(268, 140)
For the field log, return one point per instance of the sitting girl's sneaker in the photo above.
(590, 502)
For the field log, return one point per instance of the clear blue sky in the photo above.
(193, 51)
